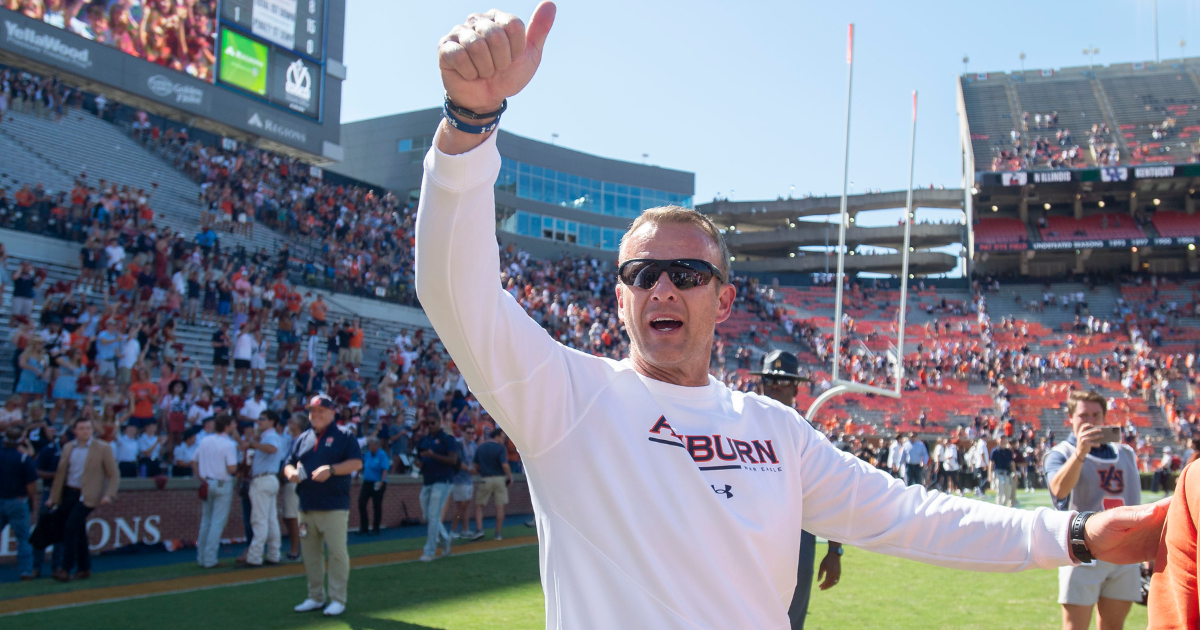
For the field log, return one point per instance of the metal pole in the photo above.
(1155, 31)
(841, 268)
(908, 221)
(826, 245)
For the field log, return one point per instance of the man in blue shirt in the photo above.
(438, 454)
(264, 490)
(375, 469)
(107, 343)
(321, 461)
(18, 489)
(1002, 469)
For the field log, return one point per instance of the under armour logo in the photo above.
(725, 491)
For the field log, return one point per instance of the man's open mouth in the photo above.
(665, 324)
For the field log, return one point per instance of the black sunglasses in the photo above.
(685, 273)
(769, 381)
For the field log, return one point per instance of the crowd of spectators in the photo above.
(175, 34)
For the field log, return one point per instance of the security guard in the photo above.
(780, 375)
(18, 490)
(321, 461)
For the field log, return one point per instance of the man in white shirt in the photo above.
(216, 462)
(128, 353)
(253, 407)
(614, 450)
(125, 451)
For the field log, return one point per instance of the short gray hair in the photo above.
(686, 216)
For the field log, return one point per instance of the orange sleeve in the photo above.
(1174, 600)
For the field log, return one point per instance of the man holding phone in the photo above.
(1093, 471)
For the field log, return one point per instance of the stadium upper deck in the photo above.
(1080, 117)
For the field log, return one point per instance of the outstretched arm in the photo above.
(847, 500)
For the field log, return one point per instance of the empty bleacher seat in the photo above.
(1170, 223)
(1000, 230)
(1095, 226)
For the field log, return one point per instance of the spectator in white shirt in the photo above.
(125, 450)
(243, 352)
(253, 407)
(128, 354)
(150, 449)
(216, 462)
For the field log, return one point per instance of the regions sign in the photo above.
(243, 62)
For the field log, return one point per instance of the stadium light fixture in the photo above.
(791, 225)
(1046, 206)
(1135, 250)
(1157, 201)
(792, 255)
(995, 208)
(1191, 247)
(1102, 204)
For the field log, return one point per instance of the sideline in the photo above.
(125, 592)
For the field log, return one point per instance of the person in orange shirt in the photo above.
(1174, 602)
(355, 355)
(143, 394)
(317, 311)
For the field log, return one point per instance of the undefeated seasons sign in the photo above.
(1111, 243)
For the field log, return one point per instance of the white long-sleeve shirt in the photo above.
(661, 506)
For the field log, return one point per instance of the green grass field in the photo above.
(500, 589)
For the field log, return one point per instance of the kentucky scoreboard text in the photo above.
(296, 25)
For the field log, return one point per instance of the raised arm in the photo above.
(503, 354)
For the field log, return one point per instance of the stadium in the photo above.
(189, 231)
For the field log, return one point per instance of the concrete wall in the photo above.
(152, 515)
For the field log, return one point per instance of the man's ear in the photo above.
(620, 303)
(725, 296)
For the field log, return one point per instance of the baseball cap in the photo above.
(321, 400)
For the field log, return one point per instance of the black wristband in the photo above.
(1078, 545)
(463, 112)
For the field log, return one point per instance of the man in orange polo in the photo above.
(1174, 598)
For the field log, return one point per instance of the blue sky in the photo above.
(751, 95)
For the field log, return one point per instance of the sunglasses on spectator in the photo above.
(768, 381)
(684, 273)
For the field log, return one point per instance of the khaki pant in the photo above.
(321, 530)
(291, 502)
(264, 519)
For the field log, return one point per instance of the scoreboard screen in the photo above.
(295, 25)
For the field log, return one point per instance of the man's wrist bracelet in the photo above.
(470, 114)
(466, 127)
(1079, 546)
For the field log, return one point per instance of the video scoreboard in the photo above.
(297, 25)
(274, 49)
(258, 67)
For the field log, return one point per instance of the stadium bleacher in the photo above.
(1151, 111)
(1170, 223)
(1000, 230)
(1099, 226)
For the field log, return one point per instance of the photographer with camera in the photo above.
(1091, 471)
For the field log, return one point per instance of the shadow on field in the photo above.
(378, 598)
